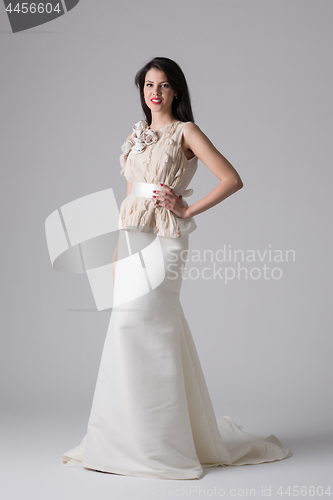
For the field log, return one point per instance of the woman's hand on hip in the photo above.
(170, 200)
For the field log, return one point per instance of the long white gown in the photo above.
(151, 414)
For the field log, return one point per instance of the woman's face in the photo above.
(157, 91)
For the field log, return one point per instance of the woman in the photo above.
(151, 414)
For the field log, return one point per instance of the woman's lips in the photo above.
(156, 101)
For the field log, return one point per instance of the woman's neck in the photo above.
(159, 121)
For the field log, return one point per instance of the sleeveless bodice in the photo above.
(148, 158)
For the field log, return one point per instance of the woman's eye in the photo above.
(166, 85)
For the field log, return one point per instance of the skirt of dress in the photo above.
(151, 413)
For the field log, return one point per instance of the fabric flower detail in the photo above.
(149, 136)
(139, 145)
(139, 127)
(142, 137)
(127, 146)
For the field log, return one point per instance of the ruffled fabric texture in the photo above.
(153, 157)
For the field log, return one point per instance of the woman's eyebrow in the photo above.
(149, 81)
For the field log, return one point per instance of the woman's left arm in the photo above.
(230, 181)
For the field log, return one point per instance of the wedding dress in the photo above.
(151, 413)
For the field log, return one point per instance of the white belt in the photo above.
(145, 189)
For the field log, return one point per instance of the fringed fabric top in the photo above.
(153, 157)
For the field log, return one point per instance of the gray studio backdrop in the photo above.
(260, 78)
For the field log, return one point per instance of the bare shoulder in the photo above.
(190, 129)
(192, 133)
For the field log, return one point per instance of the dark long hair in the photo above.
(181, 107)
